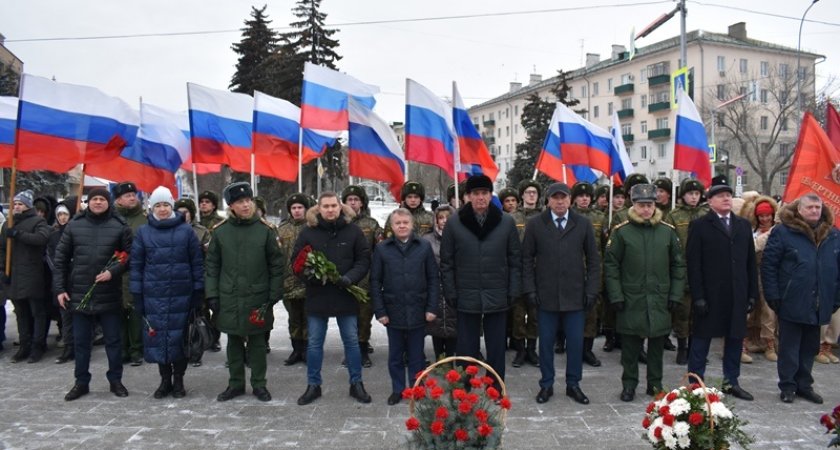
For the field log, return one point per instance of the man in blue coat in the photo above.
(801, 278)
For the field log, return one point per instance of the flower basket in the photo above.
(692, 417)
(445, 415)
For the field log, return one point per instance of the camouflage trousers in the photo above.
(524, 324)
(681, 318)
(297, 318)
(590, 327)
(365, 319)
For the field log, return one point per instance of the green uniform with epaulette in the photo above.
(132, 324)
(524, 327)
(599, 224)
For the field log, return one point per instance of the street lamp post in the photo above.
(799, 62)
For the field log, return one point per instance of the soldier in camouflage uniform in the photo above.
(294, 291)
(663, 194)
(356, 198)
(602, 200)
(582, 194)
(530, 192)
(413, 194)
(131, 209)
(208, 205)
(529, 195)
(691, 191)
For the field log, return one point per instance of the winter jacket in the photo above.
(293, 288)
(481, 266)
(210, 220)
(244, 271)
(645, 269)
(344, 244)
(87, 245)
(28, 249)
(800, 269)
(166, 270)
(404, 282)
(446, 320)
(135, 218)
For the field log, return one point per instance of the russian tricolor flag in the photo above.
(374, 151)
(276, 137)
(324, 105)
(621, 164)
(61, 125)
(471, 147)
(429, 130)
(8, 118)
(567, 145)
(220, 127)
(691, 148)
(161, 147)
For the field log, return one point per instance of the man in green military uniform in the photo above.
(208, 205)
(530, 192)
(663, 193)
(691, 191)
(244, 280)
(356, 197)
(602, 198)
(645, 278)
(413, 194)
(128, 206)
(294, 291)
(582, 195)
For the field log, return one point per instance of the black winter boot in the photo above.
(363, 348)
(519, 346)
(609, 341)
(296, 356)
(682, 351)
(165, 387)
(178, 390)
(531, 353)
(669, 346)
(66, 355)
(588, 356)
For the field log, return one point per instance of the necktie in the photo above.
(726, 222)
(560, 221)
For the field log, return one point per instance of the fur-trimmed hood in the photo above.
(789, 216)
(635, 218)
(748, 211)
(347, 214)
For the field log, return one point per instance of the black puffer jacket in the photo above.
(481, 266)
(344, 244)
(88, 243)
(28, 249)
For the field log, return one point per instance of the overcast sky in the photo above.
(483, 54)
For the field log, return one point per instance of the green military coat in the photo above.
(134, 218)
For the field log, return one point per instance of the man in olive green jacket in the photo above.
(244, 278)
(129, 207)
(645, 277)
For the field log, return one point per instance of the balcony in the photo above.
(489, 123)
(489, 140)
(660, 106)
(659, 80)
(662, 133)
(627, 137)
(623, 89)
(625, 113)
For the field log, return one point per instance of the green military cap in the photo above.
(581, 188)
(298, 198)
(603, 189)
(358, 191)
(209, 195)
(124, 188)
(236, 191)
(643, 193)
(690, 184)
(617, 190)
(450, 192)
(186, 203)
(525, 184)
(664, 183)
(508, 192)
(413, 187)
(634, 179)
(261, 205)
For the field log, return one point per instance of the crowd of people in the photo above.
(538, 274)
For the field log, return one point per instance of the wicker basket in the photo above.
(686, 382)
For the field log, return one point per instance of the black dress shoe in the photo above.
(118, 389)
(313, 391)
(136, 362)
(66, 355)
(669, 346)
(215, 347)
(76, 392)
(545, 394)
(643, 357)
(577, 395)
(653, 390)
(810, 395)
(394, 398)
(787, 396)
(230, 393)
(262, 394)
(591, 359)
(627, 395)
(560, 348)
(357, 391)
(738, 392)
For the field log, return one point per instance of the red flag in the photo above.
(815, 168)
(832, 125)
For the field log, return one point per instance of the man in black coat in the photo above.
(723, 280)
(481, 266)
(561, 275)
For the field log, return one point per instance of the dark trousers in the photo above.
(236, 348)
(83, 325)
(572, 323)
(132, 334)
(631, 346)
(67, 326)
(798, 345)
(698, 351)
(444, 346)
(408, 343)
(469, 337)
(31, 314)
(2, 318)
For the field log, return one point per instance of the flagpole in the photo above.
(300, 159)
(10, 221)
(456, 160)
(534, 177)
(564, 174)
(253, 178)
(674, 175)
(609, 207)
(195, 182)
(81, 189)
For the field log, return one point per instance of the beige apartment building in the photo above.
(722, 66)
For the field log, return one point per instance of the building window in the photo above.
(743, 65)
(721, 91)
(609, 109)
(515, 110)
(595, 112)
(507, 130)
(783, 175)
(516, 128)
(643, 152)
(783, 71)
(784, 149)
(609, 84)
(583, 91)
(784, 124)
(491, 116)
(499, 132)
(764, 122)
(721, 65)
(663, 96)
(765, 68)
(644, 101)
(627, 128)
(643, 75)
(661, 153)
(644, 126)
(626, 78)
(764, 96)
(507, 149)
(803, 71)
(661, 123)
(627, 103)
(595, 88)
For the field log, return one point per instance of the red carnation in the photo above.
(695, 418)
(505, 403)
(660, 395)
(650, 407)
(408, 393)
(431, 382)
(481, 415)
(436, 392)
(836, 411)
(461, 434)
(671, 397)
(493, 393)
(471, 370)
(453, 376)
(657, 432)
(419, 392)
(472, 398)
(713, 398)
(826, 421)
(300, 260)
(465, 407)
(412, 424)
(646, 422)
(152, 332)
(475, 382)
(442, 412)
(487, 380)
(485, 430)
(459, 394)
(694, 386)
(664, 411)
(668, 420)
(436, 428)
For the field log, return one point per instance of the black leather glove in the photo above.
(343, 282)
(590, 302)
(750, 305)
(11, 233)
(672, 306)
(532, 299)
(618, 306)
(213, 304)
(452, 302)
(701, 308)
(773, 304)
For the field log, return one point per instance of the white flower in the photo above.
(671, 442)
(720, 411)
(683, 441)
(679, 406)
(681, 429)
(667, 432)
(651, 437)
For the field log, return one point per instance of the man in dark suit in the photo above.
(723, 280)
(562, 277)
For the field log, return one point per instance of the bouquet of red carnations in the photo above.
(314, 265)
(831, 422)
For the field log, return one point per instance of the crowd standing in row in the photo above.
(524, 277)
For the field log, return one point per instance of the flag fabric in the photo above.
(691, 148)
(8, 119)
(374, 151)
(276, 137)
(471, 147)
(220, 127)
(324, 105)
(832, 125)
(564, 155)
(161, 147)
(621, 164)
(429, 131)
(815, 167)
(61, 125)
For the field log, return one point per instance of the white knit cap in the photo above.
(161, 195)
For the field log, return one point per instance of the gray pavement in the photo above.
(33, 413)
